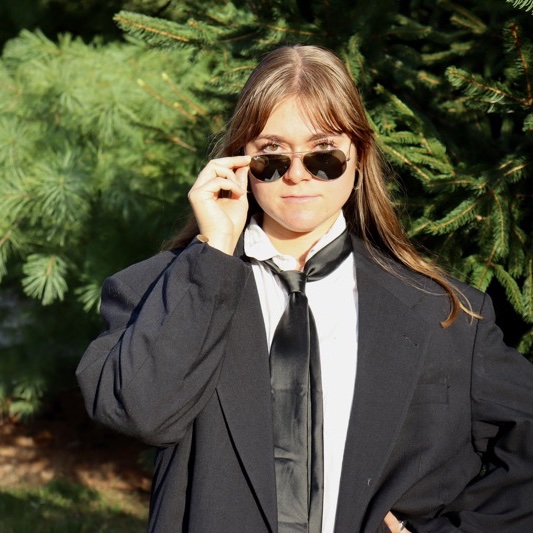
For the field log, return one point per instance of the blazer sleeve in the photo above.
(501, 497)
(157, 364)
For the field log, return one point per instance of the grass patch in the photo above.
(62, 506)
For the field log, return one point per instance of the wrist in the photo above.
(222, 243)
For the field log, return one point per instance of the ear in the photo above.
(357, 179)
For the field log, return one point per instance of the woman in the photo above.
(392, 405)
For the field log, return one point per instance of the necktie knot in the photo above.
(293, 280)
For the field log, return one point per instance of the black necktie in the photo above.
(297, 396)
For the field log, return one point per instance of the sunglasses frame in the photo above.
(302, 155)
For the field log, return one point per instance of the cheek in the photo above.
(345, 189)
(261, 192)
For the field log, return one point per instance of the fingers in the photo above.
(227, 173)
(395, 525)
(219, 201)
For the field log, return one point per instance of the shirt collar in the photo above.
(258, 246)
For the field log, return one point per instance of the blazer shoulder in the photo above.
(153, 264)
(413, 288)
(144, 272)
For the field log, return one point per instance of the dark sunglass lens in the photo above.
(326, 165)
(269, 167)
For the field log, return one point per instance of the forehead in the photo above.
(297, 115)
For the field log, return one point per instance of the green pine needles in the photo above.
(100, 142)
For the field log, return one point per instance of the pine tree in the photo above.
(449, 91)
(100, 142)
(95, 172)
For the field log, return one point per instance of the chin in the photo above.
(302, 225)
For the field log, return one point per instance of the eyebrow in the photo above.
(277, 138)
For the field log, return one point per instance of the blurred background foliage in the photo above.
(108, 110)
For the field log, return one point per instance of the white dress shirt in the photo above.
(333, 302)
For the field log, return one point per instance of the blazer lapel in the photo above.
(245, 398)
(392, 339)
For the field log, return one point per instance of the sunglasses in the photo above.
(322, 164)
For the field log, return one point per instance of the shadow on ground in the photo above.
(63, 506)
(63, 473)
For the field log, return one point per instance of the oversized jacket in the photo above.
(441, 425)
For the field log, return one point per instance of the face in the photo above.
(298, 203)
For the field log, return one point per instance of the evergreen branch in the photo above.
(449, 238)
(455, 50)
(501, 240)
(516, 169)
(90, 296)
(516, 261)
(420, 157)
(6, 237)
(463, 213)
(470, 182)
(229, 72)
(482, 274)
(220, 21)
(15, 202)
(10, 238)
(45, 277)
(173, 105)
(526, 344)
(528, 123)
(419, 227)
(176, 90)
(61, 193)
(407, 28)
(526, 5)
(4, 252)
(243, 37)
(172, 138)
(428, 79)
(468, 20)
(518, 44)
(7, 86)
(425, 142)
(512, 290)
(27, 394)
(425, 177)
(528, 292)
(125, 22)
(354, 60)
(287, 30)
(395, 100)
(520, 236)
(180, 142)
(470, 80)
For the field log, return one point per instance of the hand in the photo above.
(394, 524)
(221, 218)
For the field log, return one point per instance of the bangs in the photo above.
(318, 81)
(323, 116)
(331, 103)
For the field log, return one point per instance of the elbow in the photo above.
(141, 425)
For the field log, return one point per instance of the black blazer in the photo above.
(183, 365)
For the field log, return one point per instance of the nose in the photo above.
(297, 171)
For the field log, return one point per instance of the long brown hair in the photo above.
(320, 82)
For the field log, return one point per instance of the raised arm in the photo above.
(157, 364)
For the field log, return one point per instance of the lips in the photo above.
(299, 197)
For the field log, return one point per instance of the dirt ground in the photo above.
(63, 442)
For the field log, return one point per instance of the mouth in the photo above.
(299, 197)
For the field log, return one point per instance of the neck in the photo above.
(295, 247)
(295, 244)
